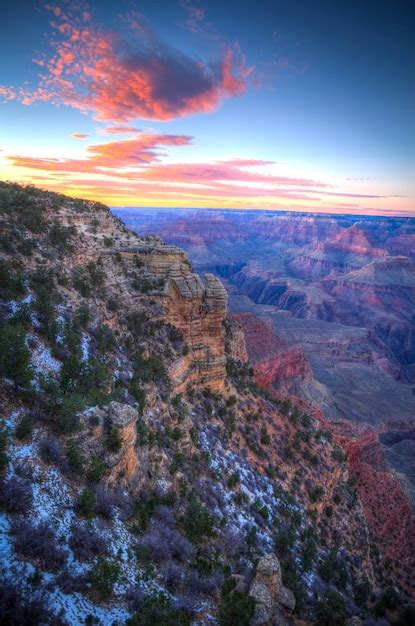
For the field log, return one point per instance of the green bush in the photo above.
(86, 504)
(14, 356)
(233, 480)
(24, 427)
(236, 608)
(316, 493)
(114, 440)
(105, 339)
(75, 458)
(158, 610)
(142, 433)
(11, 282)
(197, 523)
(331, 609)
(96, 470)
(138, 393)
(60, 236)
(103, 577)
(265, 438)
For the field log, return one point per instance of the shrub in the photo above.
(316, 493)
(236, 608)
(37, 543)
(142, 433)
(50, 450)
(15, 495)
(86, 543)
(163, 542)
(105, 502)
(96, 470)
(159, 610)
(11, 282)
(138, 393)
(105, 339)
(338, 454)
(197, 522)
(362, 590)
(103, 577)
(114, 440)
(331, 609)
(265, 438)
(333, 569)
(60, 236)
(86, 505)
(18, 610)
(231, 401)
(82, 317)
(24, 427)
(390, 599)
(14, 356)
(75, 459)
(233, 480)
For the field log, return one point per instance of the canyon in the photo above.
(166, 455)
(327, 306)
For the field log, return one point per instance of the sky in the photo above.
(304, 105)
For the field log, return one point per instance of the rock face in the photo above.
(196, 308)
(97, 424)
(276, 364)
(270, 596)
(385, 502)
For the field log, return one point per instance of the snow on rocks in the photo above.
(85, 341)
(42, 359)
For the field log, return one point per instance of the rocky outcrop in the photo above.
(97, 425)
(276, 364)
(197, 310)
(195, 307)
(273, 601)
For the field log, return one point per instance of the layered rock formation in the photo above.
(273, 601)
(196, 308)
(96, 427)
(276, 364)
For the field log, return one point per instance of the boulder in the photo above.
(286, 598)
(273, 601)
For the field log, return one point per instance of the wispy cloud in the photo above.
(111, 156)
(119, 130)
(80, 136)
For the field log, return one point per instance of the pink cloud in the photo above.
(114, 155)
(120, 130)
(130, 74)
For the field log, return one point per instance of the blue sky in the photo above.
(321, 91)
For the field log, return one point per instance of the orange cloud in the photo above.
(131, 171)
(114, 155)
(80, 136)
(122, 76)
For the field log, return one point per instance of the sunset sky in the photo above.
(302, 104)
